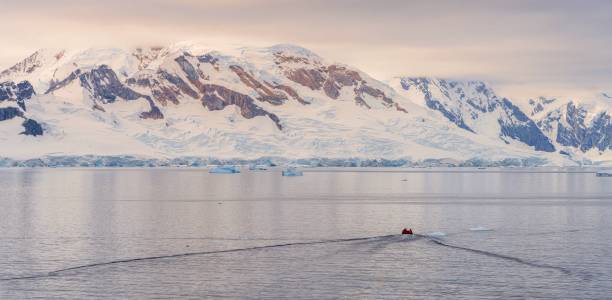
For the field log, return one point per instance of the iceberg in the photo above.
(258, 168)
(480, 228)
(292, 172)
(604, 173)
(224, 170)
(436, 234)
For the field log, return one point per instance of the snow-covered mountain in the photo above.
(549, 125)
(474, 106)
(284, 101)
(576, 125)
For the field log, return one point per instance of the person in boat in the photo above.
(407, 231)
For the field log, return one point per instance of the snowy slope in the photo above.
(577, 126)
(192, 100)
(474, 107)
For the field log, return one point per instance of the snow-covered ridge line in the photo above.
(286, 101)
(549, 124)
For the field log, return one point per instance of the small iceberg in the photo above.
(292, 172)
(224, 170)
(437, 234)
(258, 168)
(480, 228)
(604, 173)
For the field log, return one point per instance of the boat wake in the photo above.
(138, 259)
(384, 241)
(501, 256)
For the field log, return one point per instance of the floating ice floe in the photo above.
(224, 170)
(480, 228)
(292, 172)
(604, 173)
(437, 234)
(257, 168)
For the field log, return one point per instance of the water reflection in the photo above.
(54, 218)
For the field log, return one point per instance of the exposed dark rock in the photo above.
(146, 55)
(179, 83)
(209, 59)
(311, 78)
(154, 114)
(7, 113)
(16, 92)
(422, 84)
(523, 129)
(56, 85)
(538, 104)
(24, 91)
(399, 108)
(217, 97)
(102, 82)
(333, 78)
(376, 93)
(359, 101)
(290, 91)
(338, 77)
(145, 82)
(97, 106)
(188, 68)
(577, 133)
(104, 85)
(280, 58)
(28, 65)
(32, 128)
(513, 122)
(265, 93)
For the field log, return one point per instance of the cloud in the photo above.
(514, 43)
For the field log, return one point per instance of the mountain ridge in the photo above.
(282, 100)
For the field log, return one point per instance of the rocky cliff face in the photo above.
(32, 63)
(578, 126)
(104, 86)
(18, 93)
(7, 113)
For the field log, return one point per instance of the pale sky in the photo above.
(521, 47)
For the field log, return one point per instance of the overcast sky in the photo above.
(522, 47)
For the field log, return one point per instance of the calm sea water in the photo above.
(184, 233)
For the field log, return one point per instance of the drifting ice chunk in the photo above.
(224, 170)
(257, 168)
(437, 234)
(480, 228)
(292, 172)
(604, 173)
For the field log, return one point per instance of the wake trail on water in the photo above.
(387, 239)
(500, 256)
(138, 259)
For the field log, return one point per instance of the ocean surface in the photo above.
(333, 233)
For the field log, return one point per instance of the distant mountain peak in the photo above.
(33, 62)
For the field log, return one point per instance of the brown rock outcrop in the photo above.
(217, 97)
